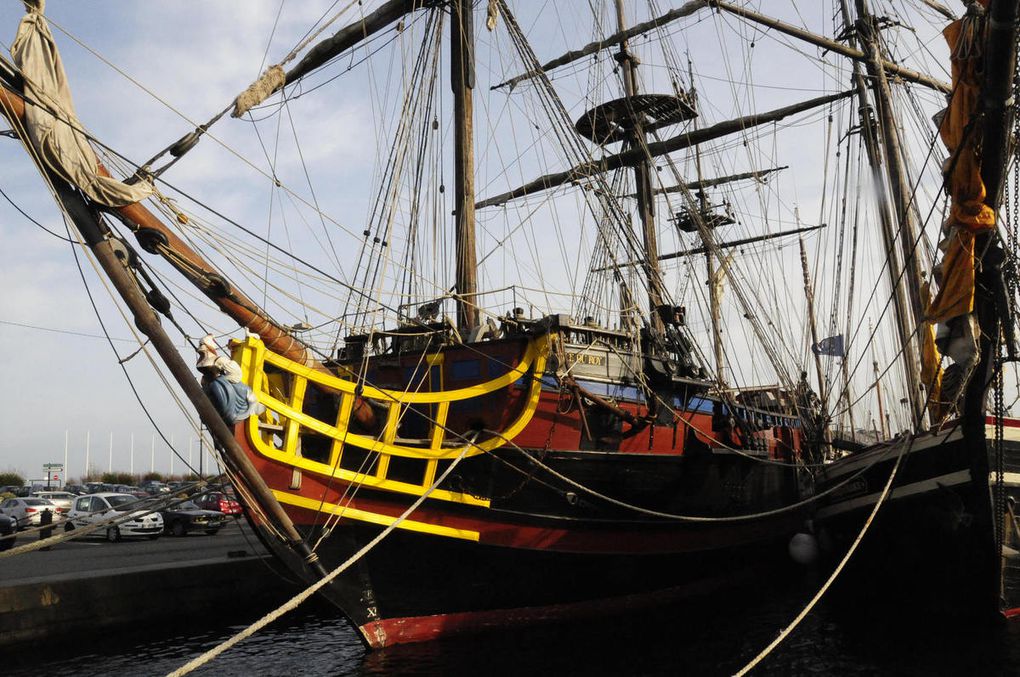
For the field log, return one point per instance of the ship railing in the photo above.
(282, 386)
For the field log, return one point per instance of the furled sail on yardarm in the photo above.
(581, 354)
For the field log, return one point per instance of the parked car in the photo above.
(180, 519)
(129, 489)
(106, 506)
(217, 500)
(28, 511)
(154, 488)
(8, 527)
(62, 499)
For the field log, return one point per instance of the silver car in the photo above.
(28, 511)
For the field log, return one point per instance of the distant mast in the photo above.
(715, 314)
(462, 82)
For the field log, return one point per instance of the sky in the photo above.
(178, 63)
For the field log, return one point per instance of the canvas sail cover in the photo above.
(52, 126)
(968, 212)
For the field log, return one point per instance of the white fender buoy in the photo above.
(804, 549)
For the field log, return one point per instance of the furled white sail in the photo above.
(52, 124)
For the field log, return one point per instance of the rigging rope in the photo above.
(785, 632)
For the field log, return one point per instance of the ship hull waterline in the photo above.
(925, 553)
(534, 568)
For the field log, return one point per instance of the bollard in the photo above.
(45, 519)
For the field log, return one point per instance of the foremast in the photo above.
(871, 132)
(462, 82)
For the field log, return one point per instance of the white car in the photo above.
(28, 511)
(109, 507)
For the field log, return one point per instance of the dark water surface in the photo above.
(710, 637)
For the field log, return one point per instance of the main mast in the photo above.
(462, 81)
(642, 178)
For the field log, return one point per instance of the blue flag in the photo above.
(832, 345)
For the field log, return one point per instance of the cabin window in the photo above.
(416, 419)
(404, 469)
(356, 459)
(465, 369)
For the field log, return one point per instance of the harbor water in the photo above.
(709, 637)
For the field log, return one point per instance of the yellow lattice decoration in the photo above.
(277, 434)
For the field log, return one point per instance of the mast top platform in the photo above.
(613, 121)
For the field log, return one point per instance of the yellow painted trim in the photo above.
(344, 386)
(252, 355)
(344, 475)
(373, 518)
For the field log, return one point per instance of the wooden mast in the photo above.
(642, 180)
(462, 81)
(706, 236)
(990, 302)
(905, 209)
(901, 306)
(809, 295)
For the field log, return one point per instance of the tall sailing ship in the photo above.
(447, 458)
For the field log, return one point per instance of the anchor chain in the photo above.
(1000, 470)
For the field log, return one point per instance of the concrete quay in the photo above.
(87, 586)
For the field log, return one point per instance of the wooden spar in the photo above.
(351, 35)
(693, 6)
(617, 38)
(156, 237)
(720, 245)
(462, 82)
(701, 184)
(642, 181)
(831, 45)
(941, 9)
(905, 207)
(654, 149)
(114, 264)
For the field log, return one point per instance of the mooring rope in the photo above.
(784, 633)
(814, 498)
(298, 599)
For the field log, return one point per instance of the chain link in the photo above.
(1000, 470)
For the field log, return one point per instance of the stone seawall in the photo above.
(53, 608)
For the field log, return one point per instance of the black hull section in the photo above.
(931, 549)
(413, 587)
(541, 553)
